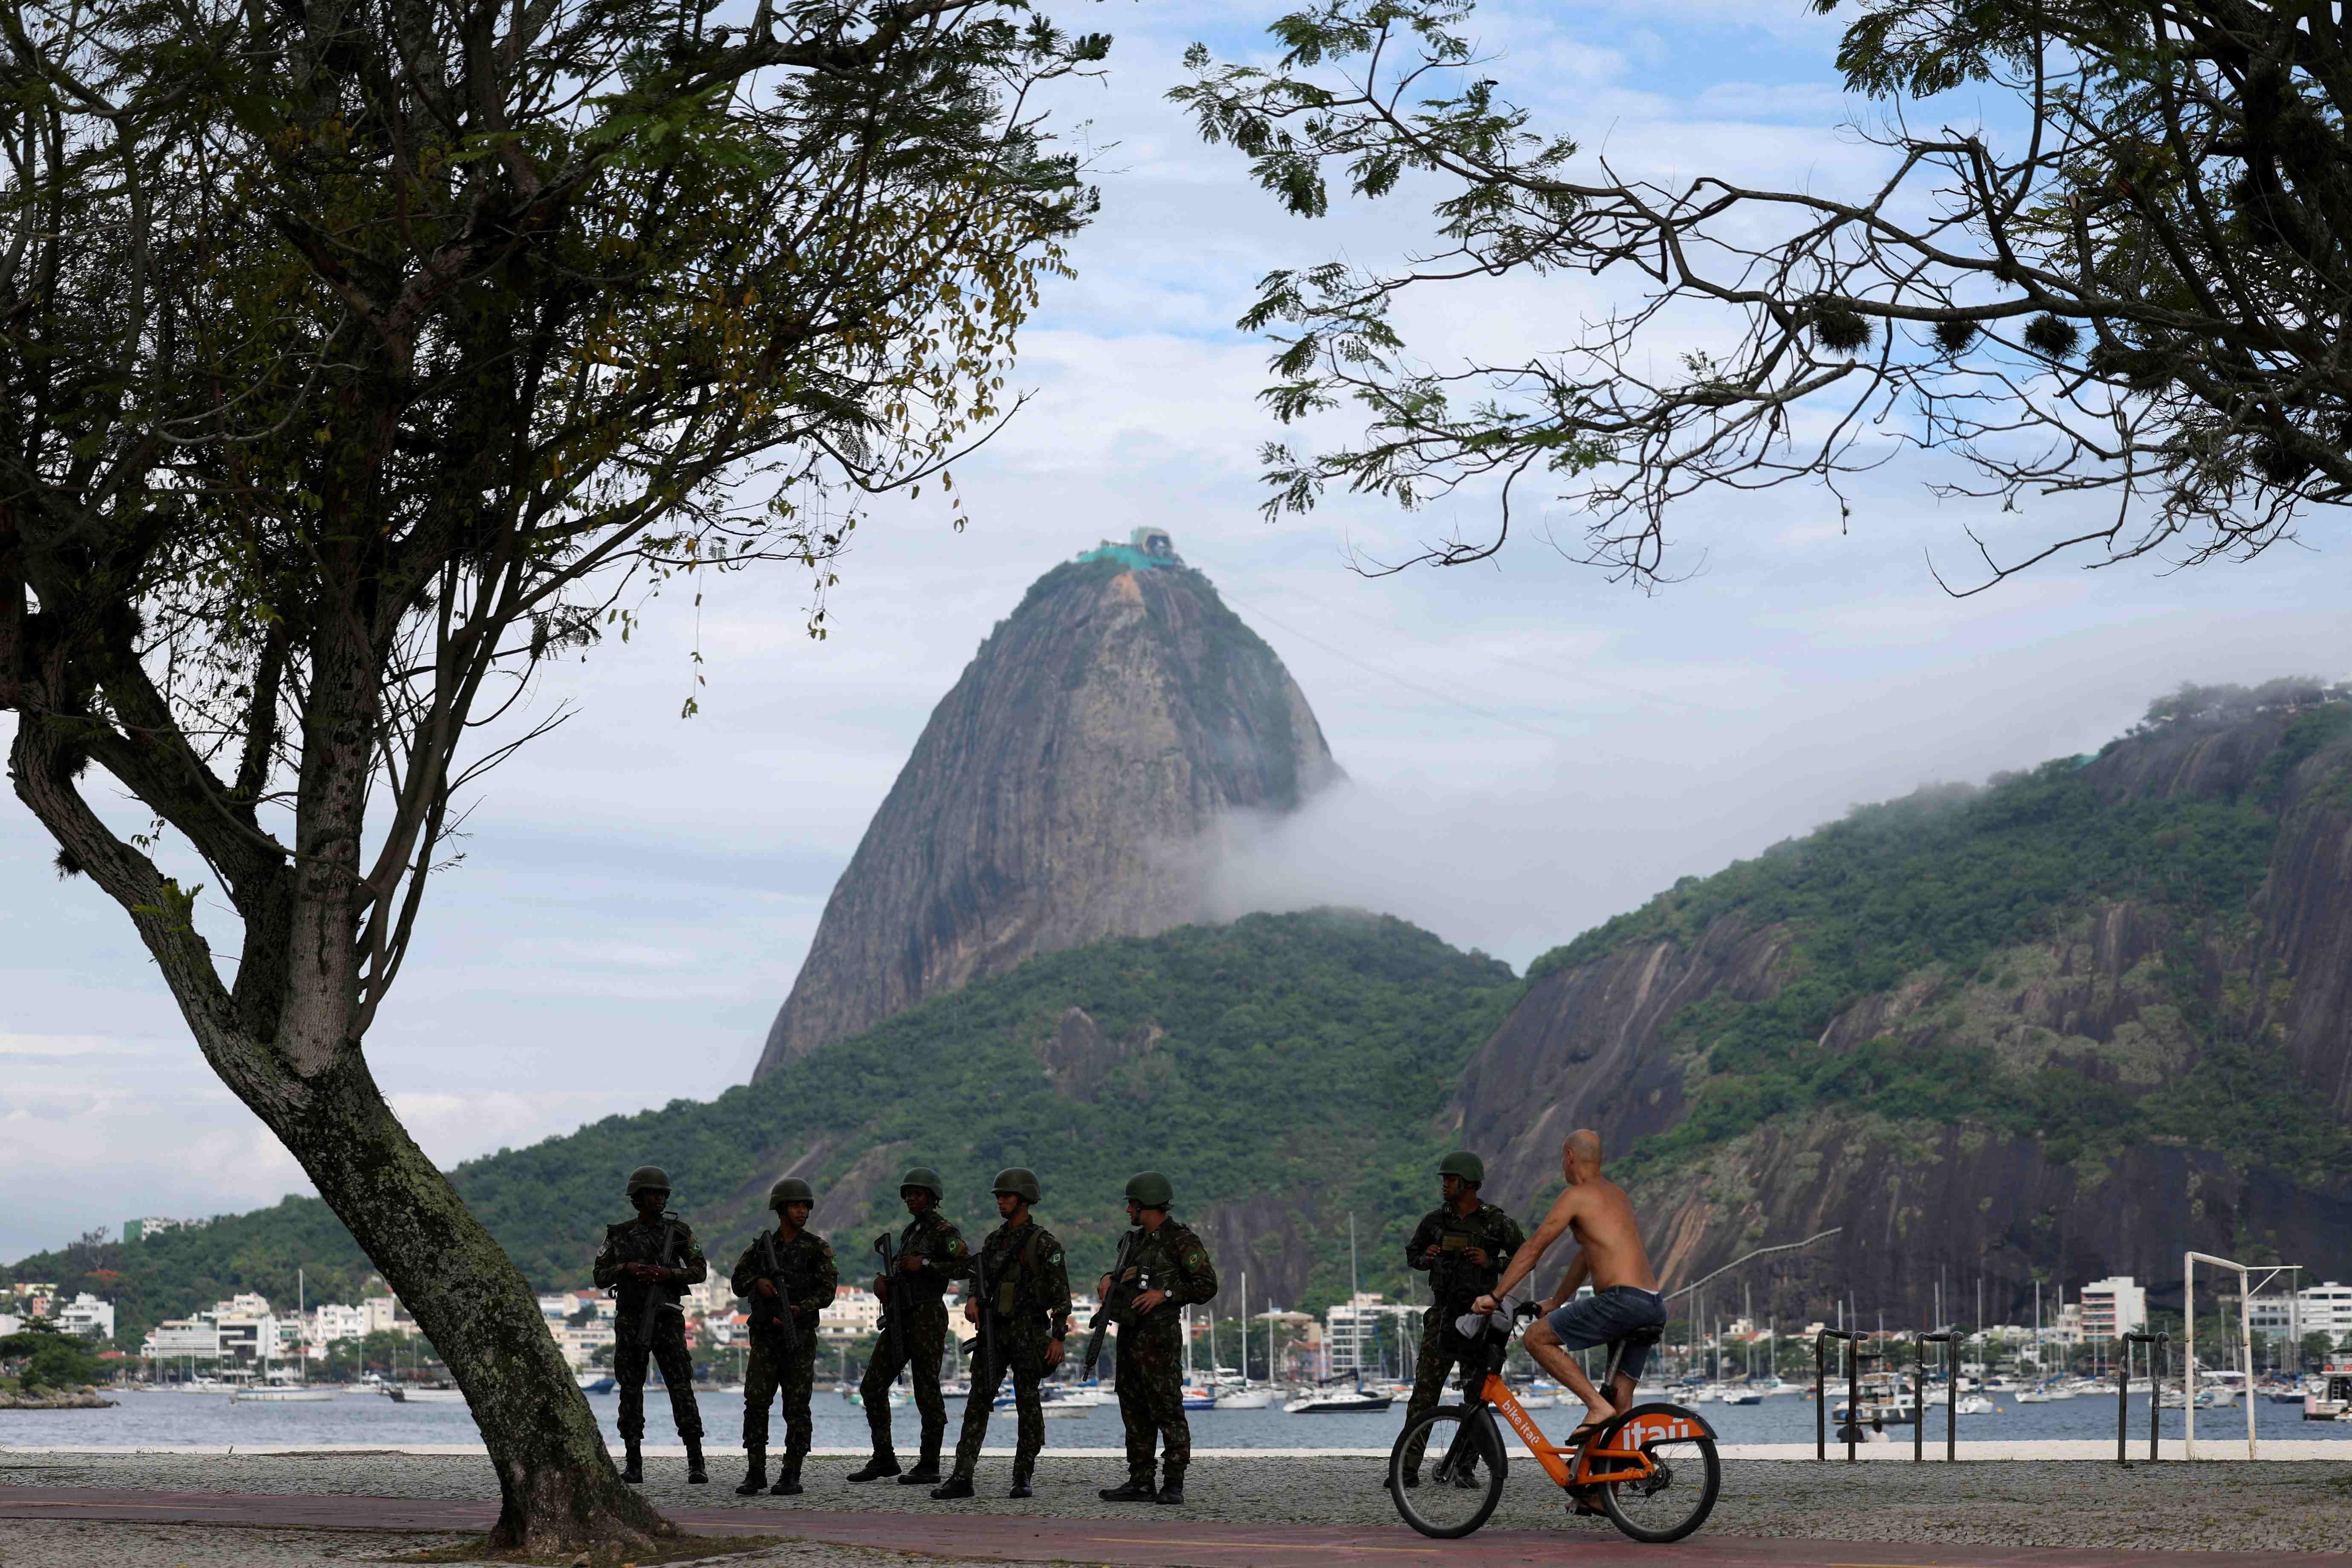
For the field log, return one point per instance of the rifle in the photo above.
(984, 1343)
(775, 1314)
(1120, 1293)
(887, 1246)
(654, 1303)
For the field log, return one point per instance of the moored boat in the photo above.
(1338, 1402)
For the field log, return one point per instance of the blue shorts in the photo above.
(1608, 1315)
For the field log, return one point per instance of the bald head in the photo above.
(1580, 1155)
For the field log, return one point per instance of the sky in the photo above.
(1531, 748)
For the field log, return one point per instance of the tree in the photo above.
(2137, 298)
(361, 358)
(43, 1358)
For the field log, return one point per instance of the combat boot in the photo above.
(633, 1470)
(1138, 1489)
(1023, 1469)
(883, 1463)
(926, 1472)
(1172, 1486)
(954, 1487)
(788, 1477)
(695, 1474)
(755, 1472)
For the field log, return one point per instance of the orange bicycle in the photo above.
(1652, 1470)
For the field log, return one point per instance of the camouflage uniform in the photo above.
(639, 1241)
(1151, 1349)
(1029, 1305)
(1454, 1284)
(916, 1333)
(811, 1279)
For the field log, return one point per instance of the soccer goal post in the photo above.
(2247, 1286)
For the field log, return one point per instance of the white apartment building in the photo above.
(715, 1297)
(248, 1328)
(1353, 1331)
(384, 1315)
(89, 1317)
(2316, 1309)
(335, 1321)
(179, 1338)
(579, 1342)
(2114, 1307)
(856, 1312)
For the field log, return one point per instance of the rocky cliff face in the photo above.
(2125, 1008)
(1060, 794)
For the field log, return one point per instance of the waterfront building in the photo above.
(384, 1315)
(1355, 1332)
(856, 1312)
(580, 1341)
(183, 1339)
(2326, 1309)
(87, 1318)
(2114, 1307)
(332, 1322)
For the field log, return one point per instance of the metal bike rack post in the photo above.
(1951, 1400)
(2159, 1355)
(1821, 1393)
(1919, 1400)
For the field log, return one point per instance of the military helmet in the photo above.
(790, 1190)
(1465, 1164)
(923, 1177)
(1151, 1189)
(1018, 1179)
(648, 1176)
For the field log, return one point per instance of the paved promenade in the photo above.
(278, 1510)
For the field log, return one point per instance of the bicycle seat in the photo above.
(1648, 1336)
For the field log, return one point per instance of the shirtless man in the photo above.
(1625, 1291)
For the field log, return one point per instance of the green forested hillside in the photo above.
(1275, 1055)
(1946, 884)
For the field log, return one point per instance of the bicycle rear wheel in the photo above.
(1675, 1500)
(1455, 1456)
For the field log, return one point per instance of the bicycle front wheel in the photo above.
(1678, 1494)
(1446, 1472)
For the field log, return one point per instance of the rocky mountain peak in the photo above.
(1062, 790)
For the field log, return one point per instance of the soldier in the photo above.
(648, 1263)
(1461, 1245)
(788, 1270)
(930, 1253)
(1168, 1269)
(1023, 1321)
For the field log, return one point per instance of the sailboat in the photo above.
(1328, 1401)
(1198, 1396)
(1248, 1395)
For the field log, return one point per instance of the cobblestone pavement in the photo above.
(47, 1543)
(2212, 1506)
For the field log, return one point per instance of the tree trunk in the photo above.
(557, 1488)
(289, 1045)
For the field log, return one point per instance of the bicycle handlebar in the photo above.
(1475, 1325)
